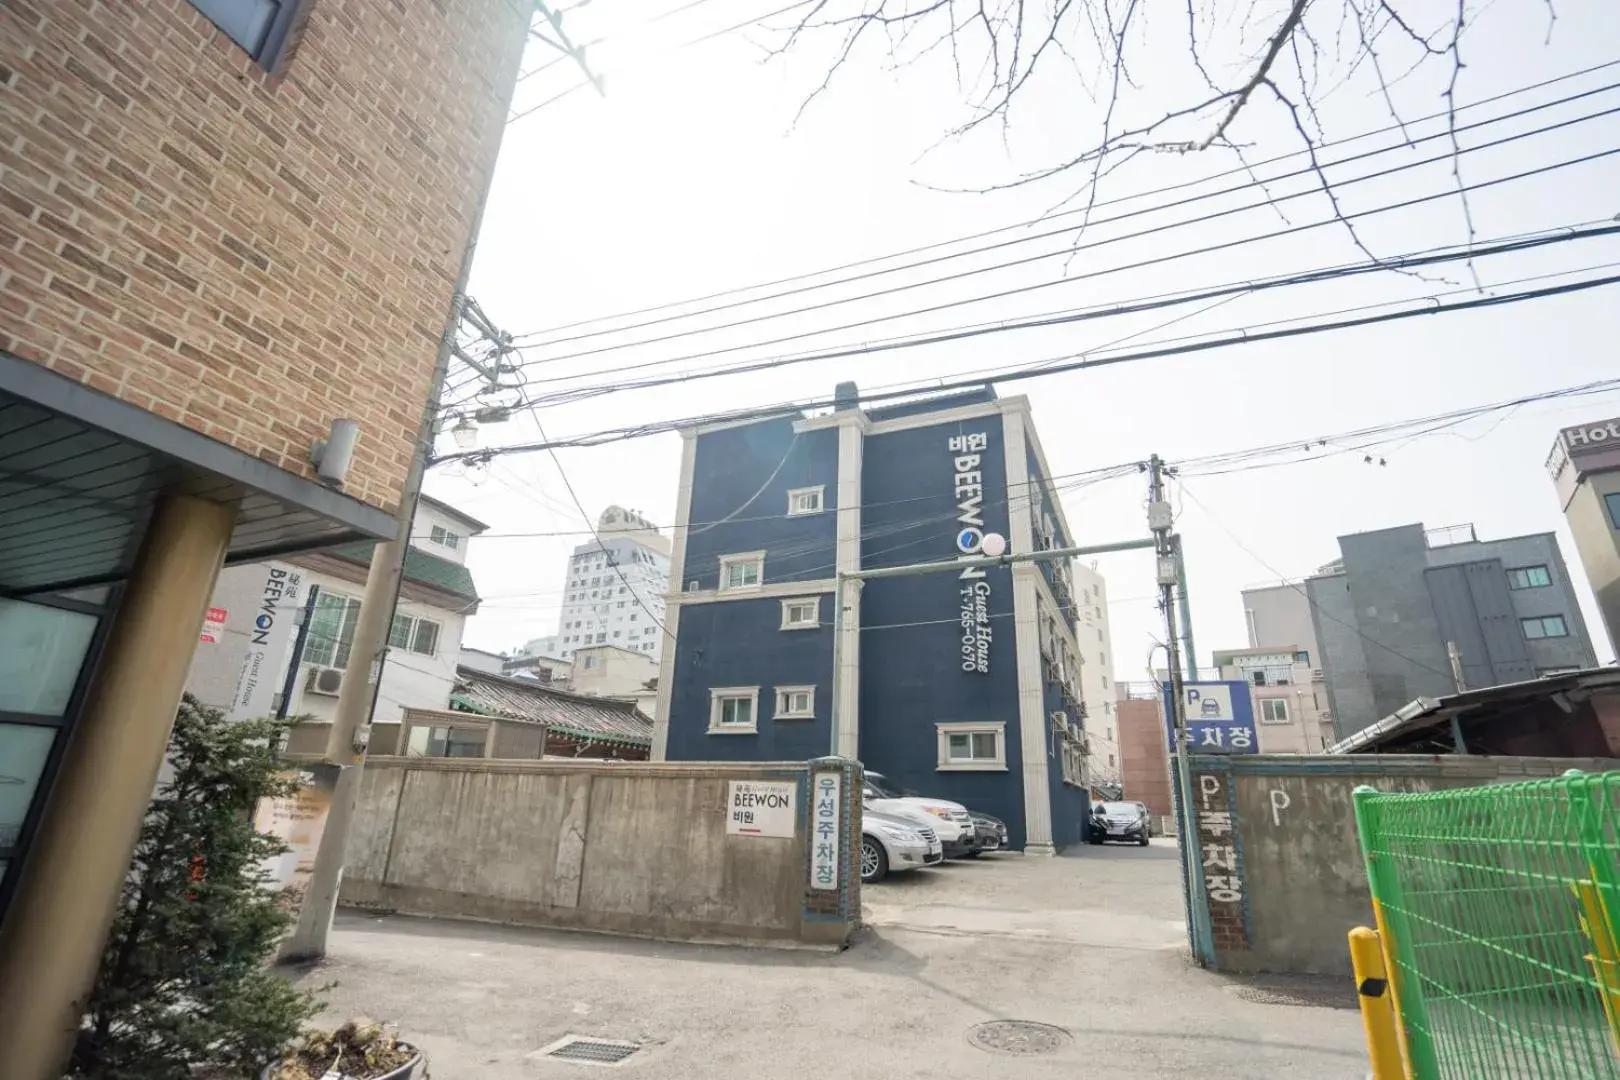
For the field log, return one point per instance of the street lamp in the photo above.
(466, 434)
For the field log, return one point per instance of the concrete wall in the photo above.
(638, 849)
(610, 670)
(1294, 852)
(1597, 539)
(1280, 615)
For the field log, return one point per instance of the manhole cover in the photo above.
(1019, 1037)
(583, 1051)
(1301, 997)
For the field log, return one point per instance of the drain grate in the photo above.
(585, 1051)
(1018, 1037)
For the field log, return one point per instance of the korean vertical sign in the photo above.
(824, 823)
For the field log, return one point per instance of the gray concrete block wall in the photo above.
(1343, 662)
(632, 848)
(1304, 881)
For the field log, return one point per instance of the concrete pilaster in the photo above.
(54, 932)
(851, 450)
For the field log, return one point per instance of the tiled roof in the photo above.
(422, 568)
(601, 719)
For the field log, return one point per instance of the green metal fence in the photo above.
(1499, 908)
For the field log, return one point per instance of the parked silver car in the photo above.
(890, 844)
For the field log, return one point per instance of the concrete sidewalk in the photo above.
(1092, 943)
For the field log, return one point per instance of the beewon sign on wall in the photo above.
(761, 808)
(973, 586)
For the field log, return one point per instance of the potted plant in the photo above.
(356, 1051)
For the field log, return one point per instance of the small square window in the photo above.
(444, 537)
(744, 571)
(732, 709)
(1529, 577)
(806, 500)
(1273, 711)
(969, 746)
(795, 703)
(1547, 626)
(801, 614)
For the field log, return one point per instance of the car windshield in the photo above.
(878, 787)
(1121, 809)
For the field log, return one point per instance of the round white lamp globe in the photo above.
(994, 545)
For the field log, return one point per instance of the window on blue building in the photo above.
(972, 746)
(732, 709)
(742, 571)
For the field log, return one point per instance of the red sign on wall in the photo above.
(213, 625)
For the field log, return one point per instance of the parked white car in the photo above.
(950, 820)
(890, 844)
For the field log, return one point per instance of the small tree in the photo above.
(185, 985)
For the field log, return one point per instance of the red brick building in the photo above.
(1144, 756)
(224, 225)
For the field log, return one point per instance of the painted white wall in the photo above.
(427, 516)
(606, 671)
(410, 680)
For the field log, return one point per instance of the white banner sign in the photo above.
(761, 808)
(824, 830)
(269, 635)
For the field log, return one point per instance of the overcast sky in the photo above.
(691, 177)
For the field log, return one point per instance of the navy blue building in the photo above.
(960, 685)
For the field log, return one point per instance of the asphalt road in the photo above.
(1091, 943)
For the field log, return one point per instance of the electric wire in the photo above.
(1242, 170)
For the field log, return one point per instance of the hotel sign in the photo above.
(973, 586)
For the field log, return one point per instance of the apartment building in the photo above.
(1585, 468)
(1098, 690)
(614, 590)
(230, 231)
(1289, 697)
(964, 685)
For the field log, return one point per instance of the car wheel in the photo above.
(1143, 842)
(874, 861)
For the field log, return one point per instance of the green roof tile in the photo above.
(422, 568)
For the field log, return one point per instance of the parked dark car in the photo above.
(1123, 821)
(991, 833)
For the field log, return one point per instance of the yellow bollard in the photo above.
(1605, 955)
(1377, 1008)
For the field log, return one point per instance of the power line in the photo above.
(1413, 261)
(1242, 170)
(1425, 306)
(959, 334)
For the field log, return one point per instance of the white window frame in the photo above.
(1265, 711)
(719, 695)
(819, 492)
(784, 703)
(445, 538)
(742, 558)
(950, 764)
(413, 632)
(813, 602)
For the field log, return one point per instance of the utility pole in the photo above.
(1168, 548)
(362, 677)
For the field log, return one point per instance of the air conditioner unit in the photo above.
(1060, 720)
(692, 586)
(325, 680)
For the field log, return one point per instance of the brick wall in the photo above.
(1144, 760)
(251, 255)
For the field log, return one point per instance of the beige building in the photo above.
(610, 671)
(1097, 687)
(1585, 467)
(221, 244)
(1290, 701)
